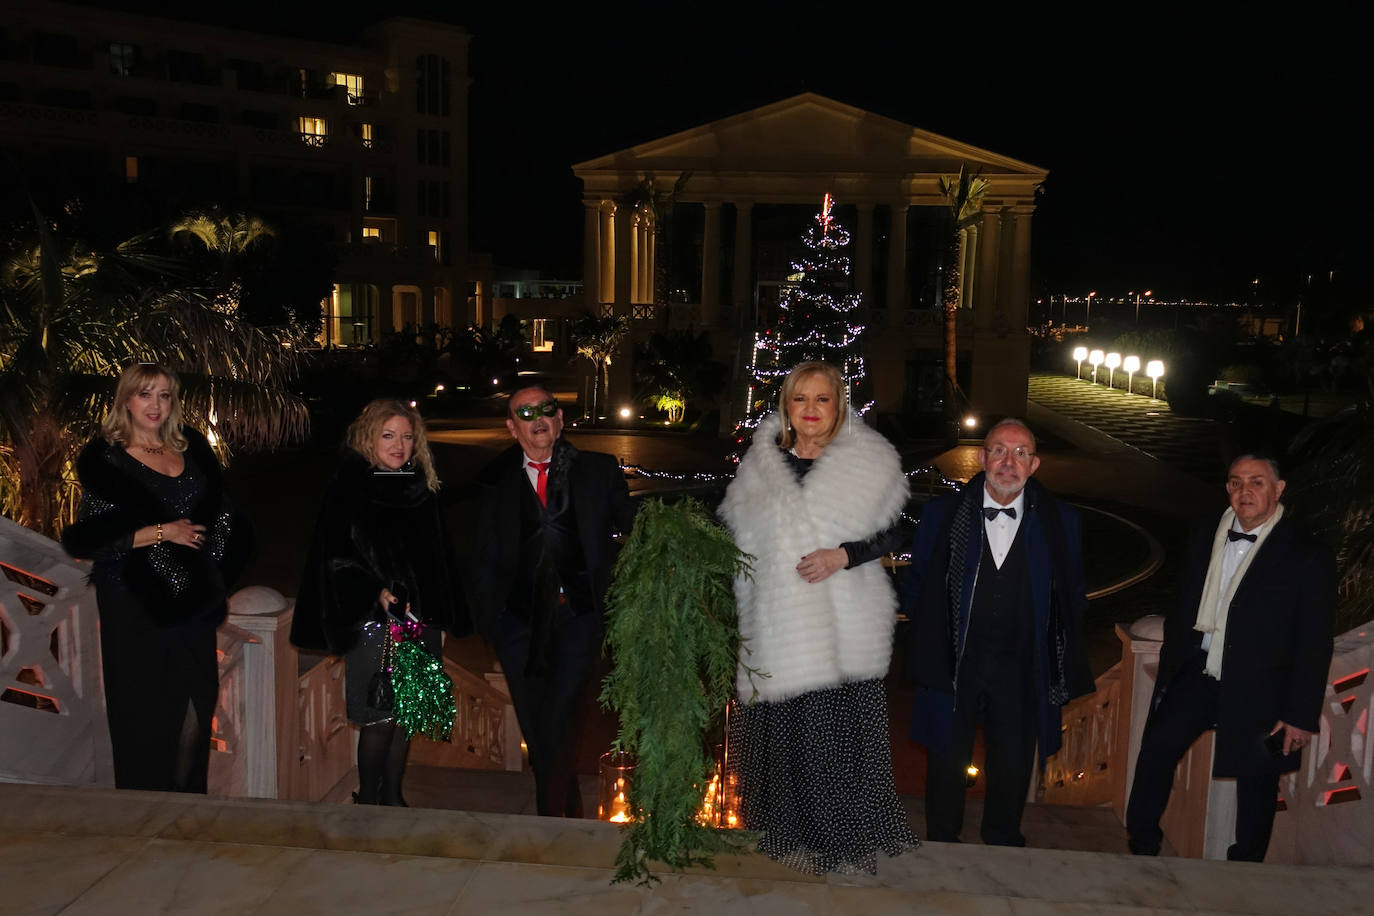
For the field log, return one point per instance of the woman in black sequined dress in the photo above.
(380, 528)
(165, 543)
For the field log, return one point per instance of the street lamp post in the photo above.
(1087, 316)
(1079, 354)
(1113, 360)
(1132, 365)
(1154, 369)
(1146, 294)
(1095, 357)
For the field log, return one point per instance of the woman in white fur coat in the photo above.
(816, 502)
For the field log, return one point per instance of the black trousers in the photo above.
(996, 692)
(551, 705)
(1187, 710)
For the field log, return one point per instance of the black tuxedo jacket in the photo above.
(600, 499)
(1278, 640)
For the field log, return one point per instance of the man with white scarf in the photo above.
(1247, 645)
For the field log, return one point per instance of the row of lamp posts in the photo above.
(1131, 365)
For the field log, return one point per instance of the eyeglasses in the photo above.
(528, 412)
(1001, 453)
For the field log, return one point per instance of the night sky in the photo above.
(1191, 152)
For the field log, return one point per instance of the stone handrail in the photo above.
(1324, 812)
(1082, 770)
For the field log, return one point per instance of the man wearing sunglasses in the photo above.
(542, 563)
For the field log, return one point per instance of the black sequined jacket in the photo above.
(376, 528)
(173, 583)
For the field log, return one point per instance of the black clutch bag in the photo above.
(380, 695)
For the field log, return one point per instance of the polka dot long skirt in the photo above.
(815, 776)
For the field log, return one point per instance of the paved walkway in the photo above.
(1190, 444)
(76, 851)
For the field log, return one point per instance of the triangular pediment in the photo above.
(808, 132)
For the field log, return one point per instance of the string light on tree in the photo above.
(818, 320)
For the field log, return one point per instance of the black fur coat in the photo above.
(181, 583)
(376, 528)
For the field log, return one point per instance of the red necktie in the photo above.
(541, 483)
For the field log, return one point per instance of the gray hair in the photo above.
(1012, 421)
(1256, 456)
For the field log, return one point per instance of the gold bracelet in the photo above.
(159, 535)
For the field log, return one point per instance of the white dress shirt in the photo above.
(1233, 553)
(532, 472)
(1001, 529)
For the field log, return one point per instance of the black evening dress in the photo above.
(814, 772)
(159, 606)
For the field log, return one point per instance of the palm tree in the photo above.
(226, 235)
(659, 204)
(677, 367)
(598, 339)
(963, 195)
(72, 318)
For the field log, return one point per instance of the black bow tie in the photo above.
(990, 512)
(1234, 535)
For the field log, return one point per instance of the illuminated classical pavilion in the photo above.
(791, 153)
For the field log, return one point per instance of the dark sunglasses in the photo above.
(528, 412)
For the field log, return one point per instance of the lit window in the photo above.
(434, 242)
(372, 232)
(351, 82)
(131, 170)
(314, 131)
(122, 59)
(365, 131)
(541, 343)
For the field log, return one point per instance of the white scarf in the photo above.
(1215, 607)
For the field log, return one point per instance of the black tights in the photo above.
(382, 751)
(193, 755)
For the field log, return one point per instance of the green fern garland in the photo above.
(674, 636)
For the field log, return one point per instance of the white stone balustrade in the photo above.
(1324, 815)
(52, 707)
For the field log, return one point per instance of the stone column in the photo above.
(591, 254)
(968, 265)
(989, 256)
(744, 262)
(863, 252)
(1016, 303)
(607, 260)
(636, 257)
(896, 266)
(650, 268)
(624, 259)
(710, 265)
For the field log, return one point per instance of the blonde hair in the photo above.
(363, 433)
(794, 378)
(116, 427)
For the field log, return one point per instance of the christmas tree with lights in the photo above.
(818, 320)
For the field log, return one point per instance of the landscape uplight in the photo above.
(1079, 354)
(1095, 357)
(1154, 369)
(1113, 360)
(1132, 365)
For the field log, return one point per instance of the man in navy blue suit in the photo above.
(1247, 647)
(542, 563)
(995, 593)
